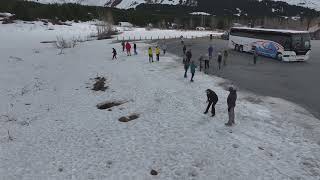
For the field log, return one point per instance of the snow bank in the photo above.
(57, 132)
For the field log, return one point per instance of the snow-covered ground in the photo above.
(84, 30)
(57, 132)
(142, 33)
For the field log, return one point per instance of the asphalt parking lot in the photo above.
(298, 82)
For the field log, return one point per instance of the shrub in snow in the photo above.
(62, 43)
(105, 27)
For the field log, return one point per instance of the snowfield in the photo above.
(50, 127)
(142, 33)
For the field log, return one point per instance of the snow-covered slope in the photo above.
(312, 4)
(125, 4)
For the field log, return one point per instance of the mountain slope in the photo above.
(125, 4)
(312, 4)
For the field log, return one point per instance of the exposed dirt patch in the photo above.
(99, 85)
(108, 104)
(153, 172)
(129, 118)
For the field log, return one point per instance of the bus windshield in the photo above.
(301, 41)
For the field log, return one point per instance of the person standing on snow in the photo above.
(114, 52)
(225, 57)
(189, 55)
(181, 38)
(219, 60)
(123, 46)
(210, 51)
(192, 70)
(184, 49)
(232, 98)
(158, 53)
(212, 100)
(135, 49)
(128, 47)
(187, 62)
(164, 48)
(150, 55)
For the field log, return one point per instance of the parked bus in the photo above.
(284, 45)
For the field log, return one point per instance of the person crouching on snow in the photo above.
(212, 100)
(192, 70)
(114, 52)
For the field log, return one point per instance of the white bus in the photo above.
(284, 45)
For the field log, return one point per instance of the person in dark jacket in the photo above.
(135, 49)
(189, 55)
(114, 52)
(186, 64)
(212, 100)
(232, 98)
(123, 46)
(184, 49)
(219, 60)
(210, 51)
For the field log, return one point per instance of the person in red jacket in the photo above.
(128, 47)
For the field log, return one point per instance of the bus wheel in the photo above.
(236, 47)
(241, 48)
(279, 57)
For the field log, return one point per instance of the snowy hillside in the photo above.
(124, 4)
(313, 4)
(50, 127)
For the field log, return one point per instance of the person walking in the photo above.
(255, 56)
(164, 48)
(231, 101)
(123, 46)
(158, 53)
(114, 52)
(225, 57)
(210, 51)
(135, 49)
(128, 47)
(182, 40)
(192, 70)
(150, 55)
(187, 59)
(184, 49)
(219, 60)
(212, 100)
(189, 55)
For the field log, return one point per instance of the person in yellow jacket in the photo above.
(158, 53)
(150, 55)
